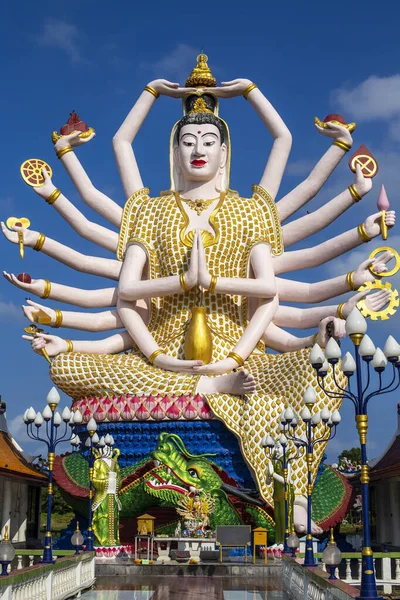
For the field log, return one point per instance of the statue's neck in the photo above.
(205, 190)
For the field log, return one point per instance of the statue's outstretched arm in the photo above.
(101, 298)
(306, 190)
(123, 139)
(105, 267)
(98, 201)
(86, 321)
(282, 341)
(300, 291)
(302, 228)
(87, 229)
(304, 318)
(322, 253)
(55, 344)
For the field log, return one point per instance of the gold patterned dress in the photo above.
(159, 225)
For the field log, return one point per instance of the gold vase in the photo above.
(198, 342)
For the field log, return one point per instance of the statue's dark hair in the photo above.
(201, 118)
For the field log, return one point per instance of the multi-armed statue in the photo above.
(199, 271)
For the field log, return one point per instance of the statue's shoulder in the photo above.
(266, 204)
(131, 209)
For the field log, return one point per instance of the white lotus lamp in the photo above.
(95, 439)
(289, 414)
(47, 413)
(349, 364)
(316, 357)
(101, 443)
(379, 361)
(356, 325)
(332, 351)
(31, 415)
(38, 420)
(335, 417)
(77, 417)
(107, 439)
(391, 349)
(324, 369)
(325, 414)
(367, 348)
(66, 414)
(316, 419)
(91, 426)
(53, 397)
(57, 419)
(88, 442)
(305, 414)
(283, 440)
(268, 441)
(309, 396)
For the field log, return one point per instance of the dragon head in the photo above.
(179, 472)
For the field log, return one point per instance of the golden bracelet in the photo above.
(341, 144)
(53, 196)
(314, 338)
(59, 318)
(350, 281)
(39, 242)
(70, 346)
(152, 91)
(237, 358)
(60, 153)
(213, 284)
(250, 88)
(154, 355)
(47, 289)
(363, 234)
(340, 310)
(354, 193)
(182, 281)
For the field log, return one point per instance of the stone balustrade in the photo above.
(66, 578)
(387, 571)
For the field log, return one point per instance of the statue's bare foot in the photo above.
(236, 383)
(300, 521)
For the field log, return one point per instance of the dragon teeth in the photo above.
(168, 471)
(156, 463)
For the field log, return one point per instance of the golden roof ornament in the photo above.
(201, 75)
(200, 106)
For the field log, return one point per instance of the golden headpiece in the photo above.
(201, 75)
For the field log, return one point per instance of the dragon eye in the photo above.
(193, 473)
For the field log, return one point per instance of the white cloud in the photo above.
(374, 98)
(57, 33)
(9, 310)
(17, 428)
(178, 64)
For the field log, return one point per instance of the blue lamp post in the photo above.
(308, 440)
(51, 437)
(96, 448)
(278, 451)
(364, 352)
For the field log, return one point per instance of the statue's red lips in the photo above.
(198, 163)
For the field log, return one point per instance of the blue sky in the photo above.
(308, 58)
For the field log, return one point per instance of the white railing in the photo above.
(387, 572)
(67, 578)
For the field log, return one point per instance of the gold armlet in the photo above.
(341, 144)
(47, 289)
(53, 196)
(354, 193)
(60, 153)
(237, 358)
(250, 88)
(59, 318)
(152, 91)
(314, 338)
(213, 284)
(154, 355)
(70, 346)
(350, 281)
(39, 242)
(340, 311)
(363, 234)
(182, 281)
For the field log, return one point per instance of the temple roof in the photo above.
(13, 463)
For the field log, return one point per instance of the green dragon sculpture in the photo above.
(156, 483)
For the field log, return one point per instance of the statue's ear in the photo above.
(224, 156)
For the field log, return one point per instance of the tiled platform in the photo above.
(186, 588)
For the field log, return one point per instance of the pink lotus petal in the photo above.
(181, 402)
(173, 412)
(383, 201)
(205, 412)
(126, 412)
(157, 413)
(149, 403)
(198, 401)
(134, 403)
(87, 415)
(190, 412)
(165, 403)
(113, 414)
(100, 414)
(106, 403)
(142, 414)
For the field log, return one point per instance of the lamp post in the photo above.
(272, 448)
(96, 447)
(77, 538)
(332, 556)
(51, 438)
(308, 441)
(7, 553)
(364, 352)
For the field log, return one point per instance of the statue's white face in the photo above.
(200, 154)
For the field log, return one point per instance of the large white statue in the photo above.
(199, 270)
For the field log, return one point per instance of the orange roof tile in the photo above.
(13, 463)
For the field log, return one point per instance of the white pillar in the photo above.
(23, 513)
(6, 511)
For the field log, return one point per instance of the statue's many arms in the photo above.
(197, 271)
